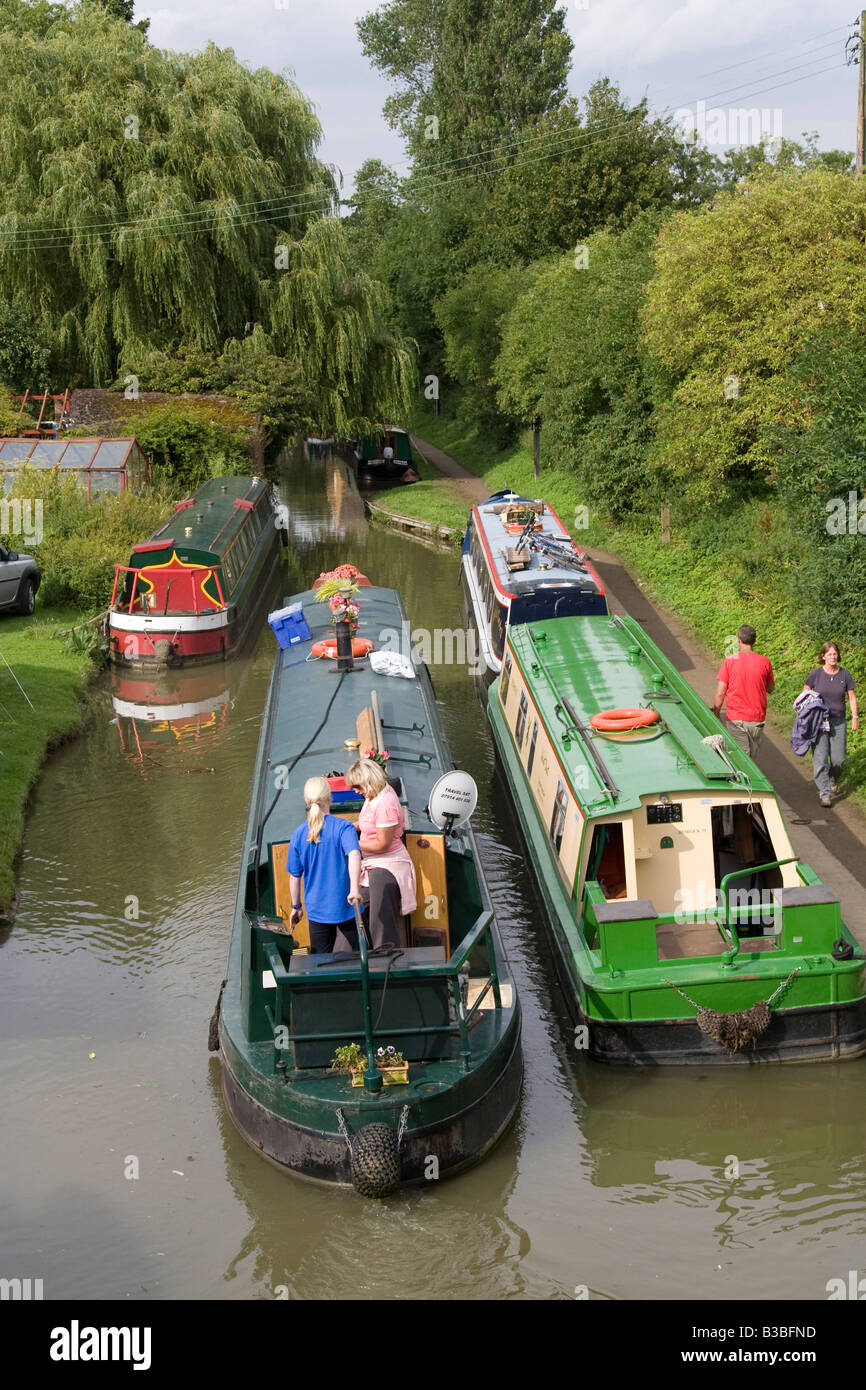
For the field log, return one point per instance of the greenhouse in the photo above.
(102, 465)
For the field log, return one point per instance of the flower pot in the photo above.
(391, 1076)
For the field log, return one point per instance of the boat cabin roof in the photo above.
(213, 515)
(575, 668)
(303, 690)
(490, 519)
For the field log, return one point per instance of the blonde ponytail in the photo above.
(317, 795)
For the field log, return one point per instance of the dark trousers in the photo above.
(326, 936)
(385, 920)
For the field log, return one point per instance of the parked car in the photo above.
(20, 577)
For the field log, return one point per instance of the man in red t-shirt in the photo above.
(744, 682)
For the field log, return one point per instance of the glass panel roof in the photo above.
(112, 452)
(48, 451)
(16, 448)
(79, 452)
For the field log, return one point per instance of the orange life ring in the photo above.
(361, 646)
(615, 720)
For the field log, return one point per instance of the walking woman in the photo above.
(832, 682)
(387, 875)
(324, 852)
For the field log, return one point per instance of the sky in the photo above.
(784, 58)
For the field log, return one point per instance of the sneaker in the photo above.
(825, 801)
(834, 786)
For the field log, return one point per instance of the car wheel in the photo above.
(26, 597)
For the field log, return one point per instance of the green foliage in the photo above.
(738, 287)
(748, 160)
(821, 477)
(447, 59)
(84, 540)
(24, 352)
(349, 1056)
(470, 317)
(571, 354)
(580, 172)
(151, 206)
(185, 445)
(10, 419)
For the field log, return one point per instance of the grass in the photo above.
(704, 587)
(55, 680)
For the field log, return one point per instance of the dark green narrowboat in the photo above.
(685, 927)
(386, 455)
(446, 1000)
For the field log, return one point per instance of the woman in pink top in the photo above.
(387, 873)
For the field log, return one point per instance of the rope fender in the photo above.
(738, 1030)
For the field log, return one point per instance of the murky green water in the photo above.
(740, 1183)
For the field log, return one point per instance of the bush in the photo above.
(186, 444)
(83, 541)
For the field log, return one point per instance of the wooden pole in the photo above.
(861, 96)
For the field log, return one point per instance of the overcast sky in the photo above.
(784, 56)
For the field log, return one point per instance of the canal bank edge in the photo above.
(55, 682)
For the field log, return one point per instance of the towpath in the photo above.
(834, 841)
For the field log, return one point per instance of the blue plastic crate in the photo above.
(289, 626)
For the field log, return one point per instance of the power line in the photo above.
(305, 204)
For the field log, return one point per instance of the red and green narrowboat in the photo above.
(445, 1000)
(686, 928)
(191, 590)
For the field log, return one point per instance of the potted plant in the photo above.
(391, 1063)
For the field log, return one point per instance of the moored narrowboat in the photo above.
(518, 565)
(386, 456)
(685, 927)
(191, 590)
(445, 1000)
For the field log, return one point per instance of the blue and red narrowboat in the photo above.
(520, 565)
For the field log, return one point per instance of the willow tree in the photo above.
(160, 201)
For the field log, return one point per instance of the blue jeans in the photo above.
(828, 754)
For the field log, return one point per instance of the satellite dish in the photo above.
(452, 800)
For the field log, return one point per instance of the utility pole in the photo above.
(536, 445)
(858, 46)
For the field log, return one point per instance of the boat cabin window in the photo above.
(506, 677)
(520, 726)
(532, 742)
(557, 820)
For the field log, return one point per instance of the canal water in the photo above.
(120, 1172)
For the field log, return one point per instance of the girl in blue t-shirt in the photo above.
(324, 852)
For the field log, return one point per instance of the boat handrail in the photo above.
(601, 768)
(729, 929)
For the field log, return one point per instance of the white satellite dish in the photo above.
(452, 800)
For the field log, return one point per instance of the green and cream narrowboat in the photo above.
(445, 1000)
(686, 929)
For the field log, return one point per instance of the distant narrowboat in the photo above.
(386, 456)
(520, 565)
(685, 927)
(445, 1000)
(192, 589)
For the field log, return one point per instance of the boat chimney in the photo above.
(199, 516)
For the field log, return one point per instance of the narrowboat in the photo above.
(518, 565)
(191, 590)
(445, 1000)
(386, 455)
(685, 927)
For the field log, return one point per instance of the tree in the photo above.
(820, 474)
(468, 72)
(177, 201)
(24, 353)
(749, 160)
(572, 356)
(125, 10)
(738, 288)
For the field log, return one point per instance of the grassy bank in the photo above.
(54, 679)
(713, 585)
